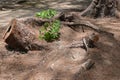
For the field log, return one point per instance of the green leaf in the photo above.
(46, 13)
(50, 30)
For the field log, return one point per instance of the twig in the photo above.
(85, 44)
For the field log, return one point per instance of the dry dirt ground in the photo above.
(61, 63)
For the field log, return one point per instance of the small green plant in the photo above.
(50, 30)
(46, 13)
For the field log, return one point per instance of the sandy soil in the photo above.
(61, 63)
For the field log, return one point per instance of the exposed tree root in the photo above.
(83, 24)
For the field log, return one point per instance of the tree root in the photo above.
(83, 24)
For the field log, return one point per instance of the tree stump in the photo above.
(22, 37)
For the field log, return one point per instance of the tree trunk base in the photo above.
(102, 8)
